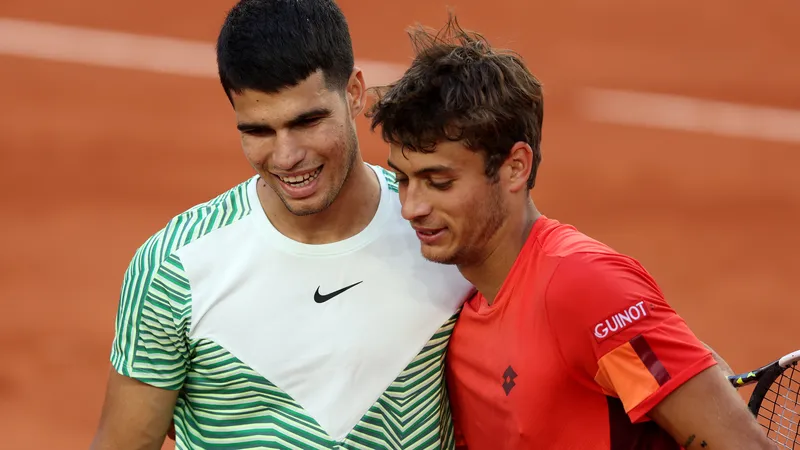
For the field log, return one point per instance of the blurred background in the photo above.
(672, 133)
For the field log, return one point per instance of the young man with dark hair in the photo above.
(292, 311)
(569, 344)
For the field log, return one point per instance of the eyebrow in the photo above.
(430, 170)
(297, 120)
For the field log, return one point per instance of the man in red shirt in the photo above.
(568, 344)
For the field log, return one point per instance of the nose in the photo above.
(287, 154)
(413, 201)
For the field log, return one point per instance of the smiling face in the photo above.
(302, 140)
(449, 201)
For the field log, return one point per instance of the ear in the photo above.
(517, 167)
(356, 93)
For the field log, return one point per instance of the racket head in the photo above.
(775, 400)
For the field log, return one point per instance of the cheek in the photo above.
(458, 209)
(326, 142)
(255, 151)
(335, 139)
(470, 213)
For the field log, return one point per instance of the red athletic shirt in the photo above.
(576, 349)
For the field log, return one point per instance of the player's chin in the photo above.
(306, 206)
(442, 254)
(305, 200)
(438, 257)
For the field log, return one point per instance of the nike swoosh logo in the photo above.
(320, 298)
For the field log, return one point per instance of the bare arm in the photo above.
(150, 352)
(135, 416)
(707, 413)
(724, 367)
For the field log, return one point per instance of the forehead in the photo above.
(451, 154)
(278, 107)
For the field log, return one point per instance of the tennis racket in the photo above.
(775, 400)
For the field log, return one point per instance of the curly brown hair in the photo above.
(459, 88)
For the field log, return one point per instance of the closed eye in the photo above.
(310, 118)
(441, 185)
(309, 121)
(257, 131)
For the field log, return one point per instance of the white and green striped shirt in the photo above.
(222, 307)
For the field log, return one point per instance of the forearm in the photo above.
(706, 413)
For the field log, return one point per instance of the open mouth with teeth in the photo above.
(301, 180)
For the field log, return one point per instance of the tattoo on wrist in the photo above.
(691, 439)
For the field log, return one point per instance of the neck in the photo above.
(348, 215)
(504, 247)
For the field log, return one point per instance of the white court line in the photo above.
(185, 57)
(674, 112)
(196, 58)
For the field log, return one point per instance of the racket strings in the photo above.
(780, 410)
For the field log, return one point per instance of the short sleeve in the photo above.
(616, 331)
(150, 342)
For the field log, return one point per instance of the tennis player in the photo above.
(293, 311)
(569, 344)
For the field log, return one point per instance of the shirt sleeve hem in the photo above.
(639, 412)
(170, 385)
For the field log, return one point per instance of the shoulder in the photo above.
(597, 301)
(588, 287)
(574, 264)
(562, 240)
(583, 264)
(593, 270)
(191, 225)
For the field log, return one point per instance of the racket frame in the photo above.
(764, 377)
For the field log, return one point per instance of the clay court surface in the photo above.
(95, 159)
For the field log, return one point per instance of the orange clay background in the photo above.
(94, 160)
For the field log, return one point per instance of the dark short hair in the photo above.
(268, 45)
(459, 88)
